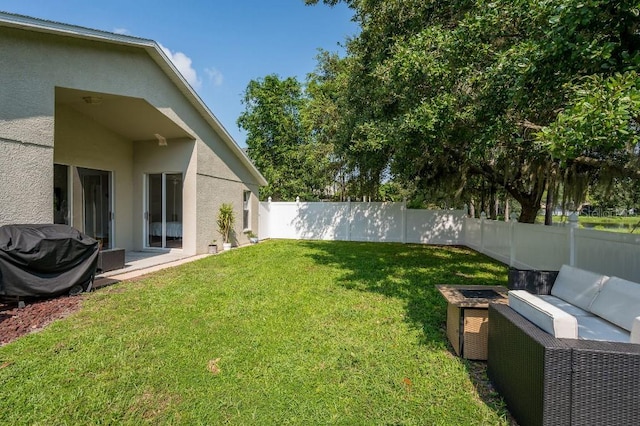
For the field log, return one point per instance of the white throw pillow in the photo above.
(618, 302)
(543, 314)
(577, 286)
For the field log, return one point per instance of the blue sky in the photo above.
(218, 45)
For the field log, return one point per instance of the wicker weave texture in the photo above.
(606, 385)
(549, 381)
(531, 373)
(453, 327)
(476, 330)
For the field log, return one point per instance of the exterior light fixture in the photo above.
(162, 141)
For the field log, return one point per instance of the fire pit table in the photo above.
(468, 317)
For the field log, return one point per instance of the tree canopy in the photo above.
(278, 141)
(519, 94)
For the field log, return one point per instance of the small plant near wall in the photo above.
(253, 238)
(226, 219)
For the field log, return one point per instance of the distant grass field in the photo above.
(624, 224)
(277, 333)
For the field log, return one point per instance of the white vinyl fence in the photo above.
(523, 246)
(351, 221)
(547, 248)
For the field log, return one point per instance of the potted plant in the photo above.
(225, 221)
(213, 247)
(253, 238)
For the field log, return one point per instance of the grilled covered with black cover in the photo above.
(45, 260)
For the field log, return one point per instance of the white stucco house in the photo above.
(101, 132)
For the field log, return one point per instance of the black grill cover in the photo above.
(45, 260)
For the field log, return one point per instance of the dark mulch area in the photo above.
(35, 315)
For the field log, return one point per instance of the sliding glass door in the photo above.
(164, 210)
(61, 195)
(96, 205)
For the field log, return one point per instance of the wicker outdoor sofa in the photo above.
(546, 380)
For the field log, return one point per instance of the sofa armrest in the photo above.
(549, 318)
(530, 368)
(604, 382)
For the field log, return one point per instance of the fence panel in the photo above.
(304, 221)
(609, 253)
(473, 233)
(496, 237)
(264, 222)
(322, 221)
(435, 227)
(381, 222)
(377, 222)
(543, 248)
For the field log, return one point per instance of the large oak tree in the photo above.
(522, 94)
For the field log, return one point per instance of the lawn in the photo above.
(281, 332)
(621, 224)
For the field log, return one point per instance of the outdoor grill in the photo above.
(45, 260)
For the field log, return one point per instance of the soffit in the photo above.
(133, 118)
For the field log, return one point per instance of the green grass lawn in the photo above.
(622, 224)
(278, 333)
(611, 223)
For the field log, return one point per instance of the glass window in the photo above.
(61, 194)
(246, 207)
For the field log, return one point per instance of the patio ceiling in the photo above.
(133, 118)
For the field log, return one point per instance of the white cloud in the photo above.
(122, 31)
(183, 63)
(215, 76)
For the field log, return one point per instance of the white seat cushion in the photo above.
(595, 328)
(577, 286)
(543, 314)
(618, 302)
(565, 306)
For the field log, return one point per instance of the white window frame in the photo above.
(246, 210)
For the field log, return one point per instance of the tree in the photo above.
(278, 142)
(321, 116)
(440, 93)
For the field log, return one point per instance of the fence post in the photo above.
(483, 217)
(513, 218)
(403, 208)
(269, 218)
(348, 221)
(573, 225)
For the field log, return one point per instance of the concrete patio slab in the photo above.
(138, 263)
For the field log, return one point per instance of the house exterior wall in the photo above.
(26, 140)
(34, 65)
(208, 206)
(26, 174)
